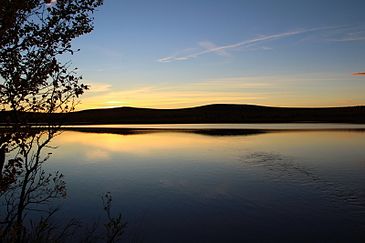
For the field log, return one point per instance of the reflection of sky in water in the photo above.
(176, 185)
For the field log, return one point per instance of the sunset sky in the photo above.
(167, 54)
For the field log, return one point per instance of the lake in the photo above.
(218, 183)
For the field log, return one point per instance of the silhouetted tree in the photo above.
(30, 189)
(26, 186)
(34, 34)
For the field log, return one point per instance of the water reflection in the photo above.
(218, 185)
(25, 186)
(223, 187)
(29, 194)
(284, 169)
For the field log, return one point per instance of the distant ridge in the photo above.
(215, 113)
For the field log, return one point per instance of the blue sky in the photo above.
(185, 53)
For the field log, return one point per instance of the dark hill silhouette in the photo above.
(217, 113)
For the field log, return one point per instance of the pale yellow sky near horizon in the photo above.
(302, 90)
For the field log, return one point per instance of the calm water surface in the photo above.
(196, 186)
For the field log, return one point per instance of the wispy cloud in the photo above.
(209, 47)
(346, 34)
(224, 48)
(348, 38)
(329, 33)
(359, 74)
(99, 87)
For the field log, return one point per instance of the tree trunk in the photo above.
(2, 160)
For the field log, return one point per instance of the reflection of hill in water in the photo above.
(208, 132)
(200, 131)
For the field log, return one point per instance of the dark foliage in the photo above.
(34, 35)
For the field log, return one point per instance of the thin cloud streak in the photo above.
(246, 43)
(211, 46)
(347, 34)
(359, 74)
(99, 87)
(347, 39)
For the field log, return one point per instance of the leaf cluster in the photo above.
(36, 38)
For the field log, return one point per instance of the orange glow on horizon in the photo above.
(290, 102)
(279, 91)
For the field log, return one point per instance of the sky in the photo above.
(171, 54)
